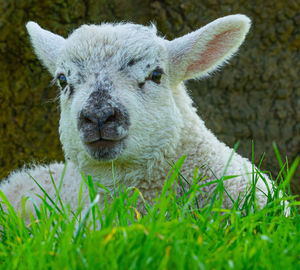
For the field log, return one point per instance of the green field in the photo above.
(171, 233)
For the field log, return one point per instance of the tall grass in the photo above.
(172, 232)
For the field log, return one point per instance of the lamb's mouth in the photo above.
(104, 149)
(102, 143)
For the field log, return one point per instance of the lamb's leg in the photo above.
(21, 184)
(241, 175)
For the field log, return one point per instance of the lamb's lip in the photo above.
(103, 143)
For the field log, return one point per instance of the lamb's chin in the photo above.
(105, 150)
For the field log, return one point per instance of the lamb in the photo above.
(123, 100)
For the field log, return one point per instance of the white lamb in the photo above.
(123, 99)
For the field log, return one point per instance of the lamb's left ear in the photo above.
(198, 53)
(46, 45)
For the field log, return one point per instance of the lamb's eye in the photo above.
(155, 76)
(62, 80)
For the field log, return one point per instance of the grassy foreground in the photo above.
(173, 233)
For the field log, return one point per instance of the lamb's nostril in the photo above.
(87, 120)
(111, 119)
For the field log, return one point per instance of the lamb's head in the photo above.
(118, 83)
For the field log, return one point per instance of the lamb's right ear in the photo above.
(46, 45)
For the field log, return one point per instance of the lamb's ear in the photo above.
(198, 53)
(46, 45)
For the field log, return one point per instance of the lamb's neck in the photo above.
(198, 143)
(193, 132)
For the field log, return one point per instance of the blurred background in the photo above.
(255, 97)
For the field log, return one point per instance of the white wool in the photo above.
(164, 124)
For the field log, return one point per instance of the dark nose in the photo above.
(99, 119)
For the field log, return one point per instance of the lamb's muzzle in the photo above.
(103, 125)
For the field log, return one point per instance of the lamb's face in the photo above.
(115, 96)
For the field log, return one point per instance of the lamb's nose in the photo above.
(98, 120)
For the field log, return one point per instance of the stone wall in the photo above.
(255, 97)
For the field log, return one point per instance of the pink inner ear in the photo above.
(215, 49)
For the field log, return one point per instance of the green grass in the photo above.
(172, 233)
